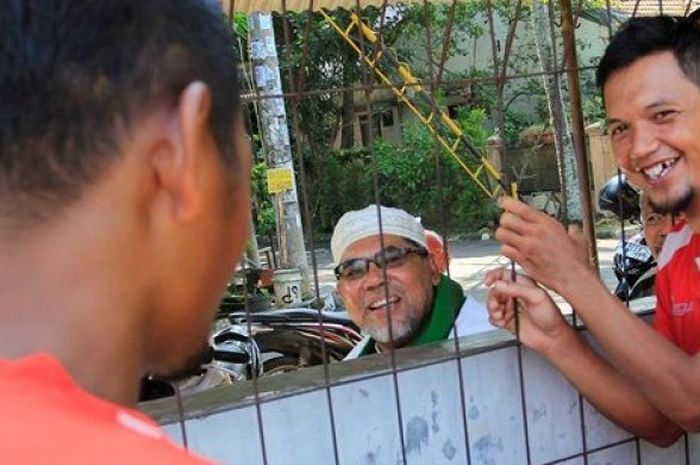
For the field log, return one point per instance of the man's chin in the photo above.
(400, 334)
(192, 366)
(673, 206)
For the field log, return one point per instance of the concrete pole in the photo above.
(275, 133)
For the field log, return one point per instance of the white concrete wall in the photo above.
(297, 425)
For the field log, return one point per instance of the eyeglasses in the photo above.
(389, 257)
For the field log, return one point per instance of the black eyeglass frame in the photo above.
(380, 259)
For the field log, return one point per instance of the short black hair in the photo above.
(77, 75)
(643, 36)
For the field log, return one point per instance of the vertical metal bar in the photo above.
(435, 83)
(509, 40)
(254, 371)
(256, 392)
(498, 81)
(181, 415)
(579, 134)
(636, 6)
(368, 87)
(581, 412)
(608, 9)
(623, 238)
(560, 138)
(307, 214)
(304, 57)
(500, 86)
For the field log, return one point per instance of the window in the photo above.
(388, 118)
(364, 128)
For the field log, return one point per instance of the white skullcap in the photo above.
(358, 224)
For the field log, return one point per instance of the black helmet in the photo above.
(618, 189)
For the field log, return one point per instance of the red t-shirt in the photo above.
(678, 289)
(46, 418)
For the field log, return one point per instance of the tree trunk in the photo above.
(563, 143)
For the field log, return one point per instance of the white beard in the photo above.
(402, 331)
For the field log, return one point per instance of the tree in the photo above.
(540, 20)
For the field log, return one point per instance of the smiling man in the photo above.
(391, 285)
(650, 384)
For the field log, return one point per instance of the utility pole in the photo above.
(275, 133)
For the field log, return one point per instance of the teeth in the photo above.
(383, 303)
(658, 170)
(654, 171)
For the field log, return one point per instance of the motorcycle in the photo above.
(635, 269)
(262, 344)
(290, 339)
(633, 263)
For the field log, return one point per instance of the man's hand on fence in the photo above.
(542, 327)
(540, 244)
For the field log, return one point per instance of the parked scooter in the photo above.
(263, 344)
(633, 262)
(232, 356)
(289, 339)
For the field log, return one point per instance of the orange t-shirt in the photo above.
(46, 418)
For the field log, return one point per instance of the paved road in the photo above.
(471, 260)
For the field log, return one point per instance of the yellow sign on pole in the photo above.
(279, 180)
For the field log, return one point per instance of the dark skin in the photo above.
(175, 229)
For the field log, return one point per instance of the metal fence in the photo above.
(476, 400)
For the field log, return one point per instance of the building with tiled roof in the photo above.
(655, 7)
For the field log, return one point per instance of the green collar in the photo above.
(448, 296)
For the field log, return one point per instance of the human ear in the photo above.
(434, 270)
(340, 289)
(178, 164)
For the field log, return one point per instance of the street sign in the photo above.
(279, 180)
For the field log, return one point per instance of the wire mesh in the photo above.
(369, 39)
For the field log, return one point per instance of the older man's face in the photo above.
(405, 298)
(656, 228)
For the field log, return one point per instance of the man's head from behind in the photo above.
(79, 76)
(387, 279)
(650, 75)
(123, 154)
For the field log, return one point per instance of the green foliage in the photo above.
(337, 181)
(407, 177)
(342, 185)
(263, 211)
(593, 108)
(473, 123)
(240, 26)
